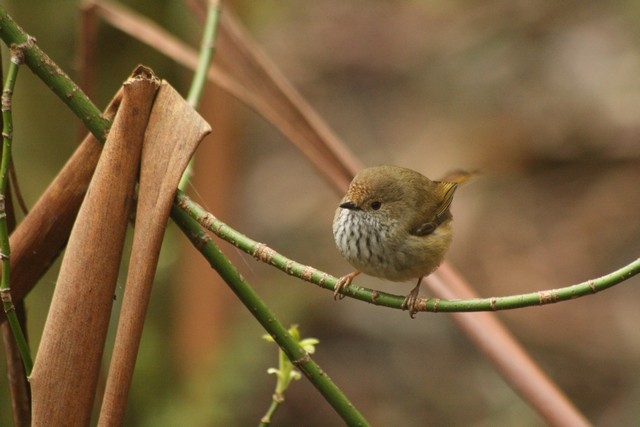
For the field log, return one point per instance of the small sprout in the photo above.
(286, 372)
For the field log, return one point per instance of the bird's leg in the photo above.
(409, 302)
(343, 282)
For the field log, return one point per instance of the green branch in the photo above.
(265, 254)
(57, 80)
(291, 347)
(17, 59)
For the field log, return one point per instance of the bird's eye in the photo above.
(375, 205)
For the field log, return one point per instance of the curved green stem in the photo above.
(265, 254)
(80, 105)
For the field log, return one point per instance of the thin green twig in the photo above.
(285, 372)
(265, 254)
(17, 59)
(294, 351)
(275, 404)
(207, 50)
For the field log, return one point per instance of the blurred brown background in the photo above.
(543, 97)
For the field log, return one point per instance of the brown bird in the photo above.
(395, 223)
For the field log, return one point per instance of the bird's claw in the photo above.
(411, 301)
(343, 282)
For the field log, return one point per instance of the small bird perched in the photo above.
(395, 223)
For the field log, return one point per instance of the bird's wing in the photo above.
(445, 193)
(444, 196)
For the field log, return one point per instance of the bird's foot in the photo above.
(343, 282)
(410, 302)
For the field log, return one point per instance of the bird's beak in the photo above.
(350, 205)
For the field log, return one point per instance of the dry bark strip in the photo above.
(66, 368)
(41, 236)
(173, 133)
